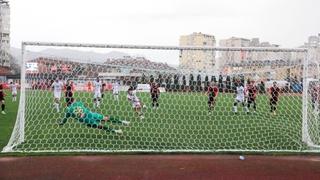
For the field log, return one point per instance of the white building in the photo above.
(4, 33)
(245, 56)
(228, 57)
(313, 45)
(252, 61)
(313, 41)
(198, 61)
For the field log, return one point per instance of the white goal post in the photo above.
(213, 138)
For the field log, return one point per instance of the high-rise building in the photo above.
(314, 41)
(230, 57)
(4, 33)
(253, 62)
(198, 60)
(234, 56)
(313, 45)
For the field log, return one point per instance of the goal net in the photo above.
(127, 98)
(312, 107)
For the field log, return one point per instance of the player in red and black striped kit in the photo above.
(155, 93)
(212, 94)
(274, 93)
(69, 93)
(2, 99)
(252, 94)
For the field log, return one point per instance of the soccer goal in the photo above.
(133, 98)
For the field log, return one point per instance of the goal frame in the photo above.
(18, 134)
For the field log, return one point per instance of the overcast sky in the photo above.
(161, 22)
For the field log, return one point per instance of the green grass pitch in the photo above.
(181, 123)
(7, 121)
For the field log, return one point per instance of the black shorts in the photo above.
(69, 94)
(69, 101)
(211, 99)
(273, 101)
(1, 98)
(154, 96)
(251, 100)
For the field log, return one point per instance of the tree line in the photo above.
(172, 82)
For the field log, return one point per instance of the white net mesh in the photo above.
(216, 99)
(313, 104)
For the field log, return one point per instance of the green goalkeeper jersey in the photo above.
(79, 112)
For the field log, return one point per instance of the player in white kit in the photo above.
(13, 87)
(97, 88)
(135, 101)
(115, 90)
(57, 90)
(240, 97)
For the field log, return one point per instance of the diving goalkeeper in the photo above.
(79, 112)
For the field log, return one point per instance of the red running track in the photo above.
(162, 167)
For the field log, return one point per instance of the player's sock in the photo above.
(57, 106)
(235, 109)
(141, 115)
(95, 102)
(126, 123)
(115, 119)
(98, 103)
(3, 107)
(107, 128)
(119, 131)
(273, 109)
(246, 109)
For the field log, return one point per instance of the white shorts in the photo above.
(14, 93)
(115, 92)
(240, 99)
(57, 95)
(136, 104)
(97, 95)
